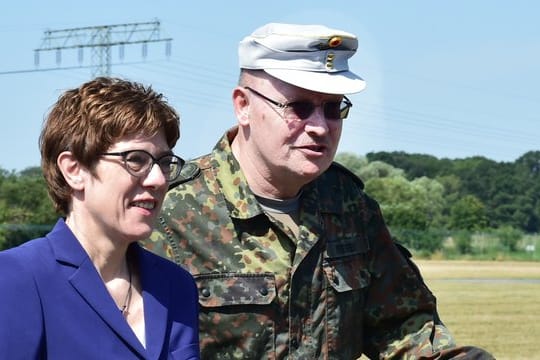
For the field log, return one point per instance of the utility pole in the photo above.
(100, 39)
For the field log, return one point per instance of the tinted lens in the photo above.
(301, 109)
(332, 110)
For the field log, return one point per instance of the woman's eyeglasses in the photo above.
(140, 162)
(301, 110)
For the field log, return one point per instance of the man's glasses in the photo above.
(140, 162)
(301, 110)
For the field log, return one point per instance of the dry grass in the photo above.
(446, 269)
(496, 308)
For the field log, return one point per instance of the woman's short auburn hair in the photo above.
(89, 119)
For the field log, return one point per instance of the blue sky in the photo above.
(446, 78)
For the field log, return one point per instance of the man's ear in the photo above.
(71, 169)
(241, 105)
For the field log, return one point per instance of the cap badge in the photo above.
(335, 41)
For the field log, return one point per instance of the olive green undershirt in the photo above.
(285, 211)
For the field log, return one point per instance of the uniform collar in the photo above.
(239, 198)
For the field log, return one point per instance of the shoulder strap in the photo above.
(189, 172)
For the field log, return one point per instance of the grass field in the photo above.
(494, 305)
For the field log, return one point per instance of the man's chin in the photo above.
(312, 170)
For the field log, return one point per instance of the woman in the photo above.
(87, 290)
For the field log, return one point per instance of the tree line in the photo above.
(473, 203)
(425, 200)
(26, 211)
(477, 192)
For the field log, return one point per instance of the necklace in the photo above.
(127, 300)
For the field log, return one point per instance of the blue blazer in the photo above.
(54, 305)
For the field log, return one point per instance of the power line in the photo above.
(100, 39)
(13, 72)
(43, 70)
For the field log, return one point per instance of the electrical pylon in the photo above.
(100, 39)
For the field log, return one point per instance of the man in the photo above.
(292, 259)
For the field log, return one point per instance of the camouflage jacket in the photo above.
(342, 289)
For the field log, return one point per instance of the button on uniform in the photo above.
(205, 292)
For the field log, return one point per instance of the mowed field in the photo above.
(494, 305)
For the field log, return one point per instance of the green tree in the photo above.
(408, 204)
(509, 237)
(379, 170)
(414, 165)
(410, 207)
(25, 199)
(510, 192)
(26, 211)
(352, 161)
(463, 242)
(468, 213)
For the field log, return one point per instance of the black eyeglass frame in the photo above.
(343, 112)
(140, 173)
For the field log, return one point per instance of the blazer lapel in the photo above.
(87, 282)
(156, 296)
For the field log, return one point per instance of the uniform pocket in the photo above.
(236, 318)
(347, 273)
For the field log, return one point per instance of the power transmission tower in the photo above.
(100, 39)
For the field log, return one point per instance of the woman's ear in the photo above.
(71, 169)
(241, 105)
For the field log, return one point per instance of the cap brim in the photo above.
(343, 82)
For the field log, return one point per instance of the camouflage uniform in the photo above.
(341, 289)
